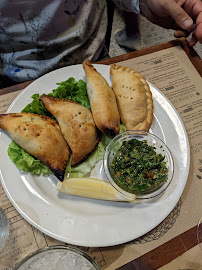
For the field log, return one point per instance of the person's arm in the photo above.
(185, 16)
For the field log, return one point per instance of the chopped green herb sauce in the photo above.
(137, 167)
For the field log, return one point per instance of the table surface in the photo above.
(172, 249)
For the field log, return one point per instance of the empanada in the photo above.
(102, 100)
(134, 98)
(41, 137)
(76, 124)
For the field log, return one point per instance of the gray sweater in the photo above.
(37, 36)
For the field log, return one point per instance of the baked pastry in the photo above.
(76, 124)
(134, 98)
(102, 101)
(41, 137)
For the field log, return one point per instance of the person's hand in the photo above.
(185, 16)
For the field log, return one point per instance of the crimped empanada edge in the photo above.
(145, 125)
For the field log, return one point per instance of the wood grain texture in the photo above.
(182, 42)
(14, 88)
(165, 253)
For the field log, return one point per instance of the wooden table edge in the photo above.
(161, 256)
(14, 88)
(182, 42)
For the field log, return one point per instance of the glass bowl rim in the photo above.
(5, 228)
(124, 193)
(58, 247)
(199, 232)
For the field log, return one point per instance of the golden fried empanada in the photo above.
(77, 126)
(41, 137)
(102, 100)
(134, 98)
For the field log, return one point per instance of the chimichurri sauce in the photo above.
(137, 167)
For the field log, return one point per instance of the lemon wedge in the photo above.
(91, 188)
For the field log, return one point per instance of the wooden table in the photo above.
(187, 240)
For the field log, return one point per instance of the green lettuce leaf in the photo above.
(85, 167)
(25, 161)
(36, 106)
(73, 90)
(69, 89)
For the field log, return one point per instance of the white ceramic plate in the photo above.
(88, 222)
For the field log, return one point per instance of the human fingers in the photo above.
(181, 18)
(199, 33)
(193, 8)
(193, 40)
(183, 33)
(198, 30)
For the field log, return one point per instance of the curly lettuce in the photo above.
(69, 89)
(25, 161)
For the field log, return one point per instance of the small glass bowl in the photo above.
(58, 257)
(152, 140)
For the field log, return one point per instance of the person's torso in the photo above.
(37, 36)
